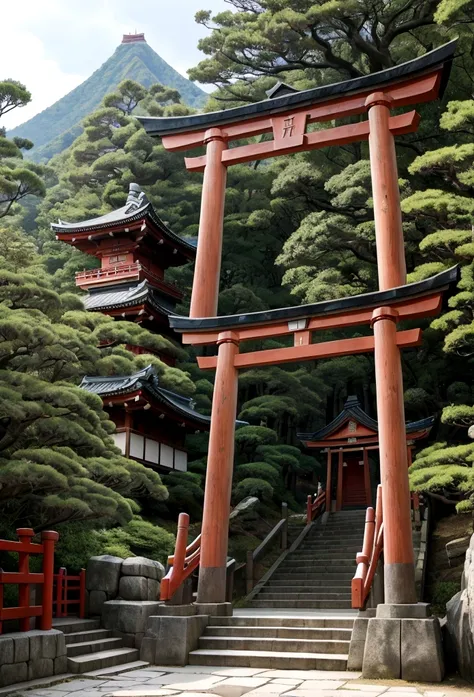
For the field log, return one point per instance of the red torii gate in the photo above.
(287, 117)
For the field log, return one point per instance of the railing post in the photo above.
(59, 592)
(82, 593)
(48, 539)
(249, 572)
(309, 509)
(284, 530)
(1, 602)
(25, 536)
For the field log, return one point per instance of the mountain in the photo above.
(55, 128)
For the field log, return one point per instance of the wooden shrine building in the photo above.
(152, 423)
(348, 440)
(135, 247)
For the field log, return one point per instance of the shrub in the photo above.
(253, 487)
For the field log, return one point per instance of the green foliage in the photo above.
(137, 538)
(441, 593)
(253, 487)
(258, 470)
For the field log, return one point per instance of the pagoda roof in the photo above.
(128, 295)
(285, 99)
(353, 411)
(148, 381)
(136, 208)
(439, 282)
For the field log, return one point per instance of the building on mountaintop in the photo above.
(352, 434)
(133, 38)
(152, 423)
(135, 247)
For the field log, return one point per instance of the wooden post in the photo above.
(309, 509)
(59, 591)
(82, 593)
(211, 220)
(399, 573)
(391, 265)
(284, 530)
(48, 539)
(409, 456)
(328, 481)
(25, 535)
(367, 483)
(340, 470)
(220, 462)
(249, 572)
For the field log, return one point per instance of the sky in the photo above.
(52, 46)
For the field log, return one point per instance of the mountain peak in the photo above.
(55, 128)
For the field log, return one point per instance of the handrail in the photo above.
(314, 508)
(63, 588)
(183, 562)
(281, 528)
(368, 559)
(23, 578)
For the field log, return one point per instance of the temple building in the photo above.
(135, 247)
(352, 435)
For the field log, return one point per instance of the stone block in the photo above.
(128, 616)
(382, 657)
(421, 650)
(460, 635)
(176, 610)
(457, 548)
(43, 644)
(410, 610)
(60, 665)
(133, 588)
(11, 673)
(214, 609)
(153, 589)
(103, 573)
(168, 640)
(96, 602)
(40, 668)
(141, 566)
(6, 650)
(21, 648)
(357, 645)
(61, 645)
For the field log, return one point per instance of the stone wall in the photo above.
(29, 655)
(124, 592)
(460, 620)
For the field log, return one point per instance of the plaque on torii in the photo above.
(287, 117)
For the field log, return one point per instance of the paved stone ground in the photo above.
(190, 681)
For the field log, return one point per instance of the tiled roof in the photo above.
(128, 295)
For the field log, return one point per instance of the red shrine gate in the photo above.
(287, 115)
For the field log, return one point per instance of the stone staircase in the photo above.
(92, 649)
(300, 643)
(318, 573)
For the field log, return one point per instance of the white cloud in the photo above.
(54, 45)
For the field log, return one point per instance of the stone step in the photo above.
(308, 585)
(323, 633)
(284, 622)
(115, 670)
(284, 575)
(268, 659)
(270, 595)
(88, 635)
(315, 567)
(87, 647)
(335, 557)
(74, 625)
(294, 604)
(278, 644)
(101, 659)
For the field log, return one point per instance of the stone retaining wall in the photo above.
(30, 655)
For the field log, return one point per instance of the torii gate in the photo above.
(286, 115)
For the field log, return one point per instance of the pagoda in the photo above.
(352, 435)
(135, 247)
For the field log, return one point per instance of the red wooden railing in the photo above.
(315, 508)
(67, 586)
(24, 547)
(368, 559)
(184, 560)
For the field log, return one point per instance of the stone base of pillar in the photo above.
(358, 639)
(169, 640)
(402, 642)
(214, 609)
